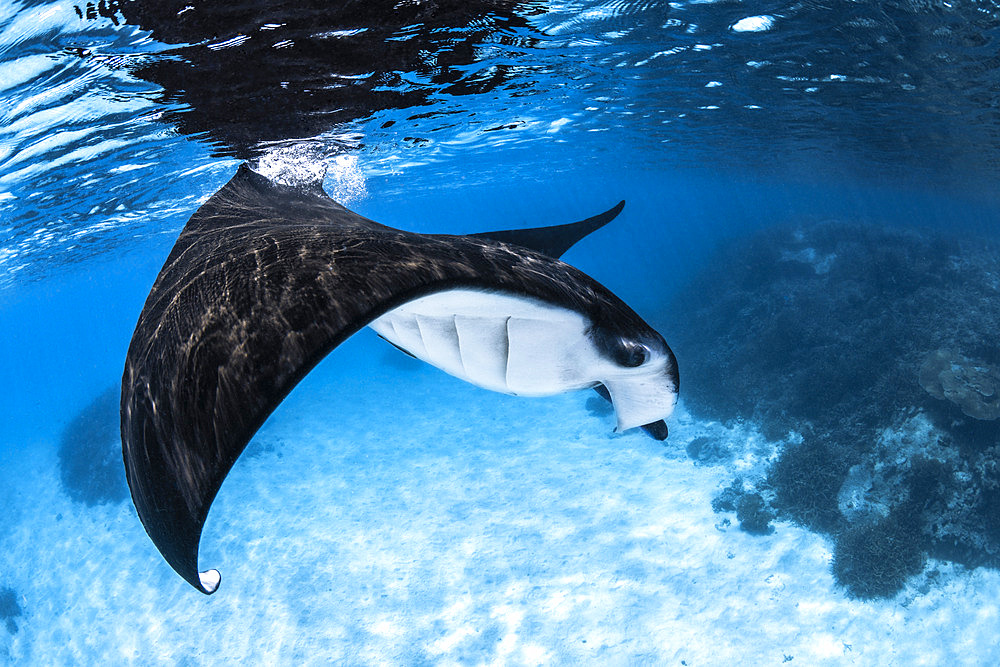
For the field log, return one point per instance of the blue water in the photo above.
(389, 514)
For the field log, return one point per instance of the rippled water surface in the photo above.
(126, 105)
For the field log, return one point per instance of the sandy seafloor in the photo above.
(388, 514)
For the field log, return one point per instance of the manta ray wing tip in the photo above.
(210, 580)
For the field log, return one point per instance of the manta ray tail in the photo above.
(556, 240)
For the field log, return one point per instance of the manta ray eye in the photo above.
(631, 354)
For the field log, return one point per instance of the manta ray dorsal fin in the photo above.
(557, 239)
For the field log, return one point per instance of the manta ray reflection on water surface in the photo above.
(266, 279)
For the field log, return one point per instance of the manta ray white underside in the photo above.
(521, 346)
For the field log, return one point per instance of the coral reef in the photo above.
(875, 560)
(876, 347)
(752, 511)
(806, 481)
(10, 610)
(725, 501)
(708, 451)
(754, 515)
(969, 385)
(90, 460)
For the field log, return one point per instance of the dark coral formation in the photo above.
(726, 499)
(874, 560)
(969, 385)
(753, 513)
(878, 346)
(708, 451)
(806, 481)
(90, 459)
(10, 610)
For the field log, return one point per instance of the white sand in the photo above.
(393, 515)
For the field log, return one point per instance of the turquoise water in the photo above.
(776, 159)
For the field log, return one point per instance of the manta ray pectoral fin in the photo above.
(263, 282)
(554, 241)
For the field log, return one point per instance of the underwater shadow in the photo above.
(90, 459)
(10, 610)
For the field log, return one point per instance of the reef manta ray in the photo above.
(266, 279)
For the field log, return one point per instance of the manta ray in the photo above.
(266, 279)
